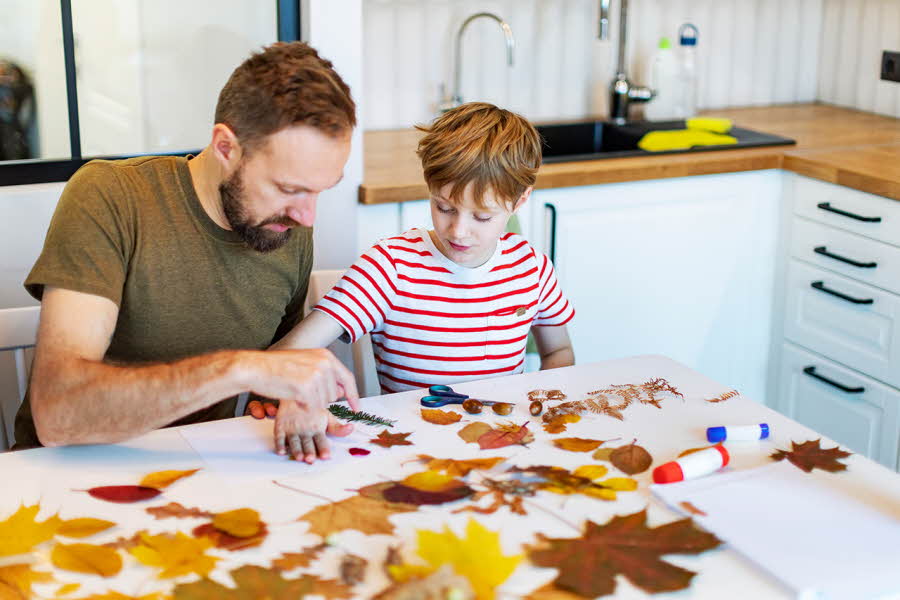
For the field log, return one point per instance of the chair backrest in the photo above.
(18, 331)
(358, 356)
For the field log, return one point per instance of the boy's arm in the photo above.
(316, 330)
(554, 346)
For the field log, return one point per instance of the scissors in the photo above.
(443, 394)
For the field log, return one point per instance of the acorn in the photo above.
(536, 408)
(472, 406)
(502, 408)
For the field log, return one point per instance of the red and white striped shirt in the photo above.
(434, 321)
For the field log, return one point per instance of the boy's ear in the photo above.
(522, 199)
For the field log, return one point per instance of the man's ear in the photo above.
(226, 147)
(522, 199)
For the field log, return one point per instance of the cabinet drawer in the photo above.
(855, 256)
(818, 200)
(866, 422)
(863, 336)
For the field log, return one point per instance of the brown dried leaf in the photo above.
(460, 468)
(551, 592)
(557, 424)
(437, 586)
(388, 439)
(692, 450)
(124, 543)
(588, 565)
(809, 455)
(502, 437)
(471, 432)
(690, 508)
(331, 589)
(724, 397)
(440, 417)
(87, 558)
(574, 444)
(352, 569)
(177, 511)
(365, 514)
(251, 582)
(298, 560)
(631, 459)
(163, 479)
(602, 454)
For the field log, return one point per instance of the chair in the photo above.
(18, 331)
(358, 357)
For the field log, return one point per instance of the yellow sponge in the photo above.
(682, 139)
(709, 124)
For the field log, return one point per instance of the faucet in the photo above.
(622, 91)
(456, 97)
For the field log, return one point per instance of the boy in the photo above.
(455, 303)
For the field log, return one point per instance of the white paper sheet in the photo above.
(814, 532)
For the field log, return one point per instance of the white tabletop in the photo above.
(237, 472)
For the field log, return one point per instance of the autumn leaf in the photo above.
(478, 557)
(574, 444)
(443, 583)
(691, 509)
(428, 487)
(368, 515)
(163, 479)
(80, 528)
(460, 468)
(352, 569)
(123, 494)
(223, 540)
(242, 522)
(298, 560)
(388, 440)
(631, 459)
(810, 455)
(175, 555)
(723, 397)
(177, 511)
(693, 450)
(124, 543)
(20, 532)
(87, 558)
(551, 592)
(114, 595)
(584, 480)
(557, 423)
(471, 432)
(16, 581)
(602, 454)
(66, 589)
(501, 437)
(251, 582)
(588, 565)
(440, 417)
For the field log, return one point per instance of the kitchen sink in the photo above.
(590, 140)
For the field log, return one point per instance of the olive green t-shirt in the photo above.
(134, 231)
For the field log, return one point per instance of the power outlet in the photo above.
(890, 66)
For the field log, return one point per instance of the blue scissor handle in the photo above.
(445, 391)
(435, 401)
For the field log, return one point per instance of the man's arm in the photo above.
(78, 399)
(554, 346)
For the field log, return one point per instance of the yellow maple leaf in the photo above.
(79, 528)
(87, 558)
(432, 481)
(590, 471)
(241, 522)
(20, 532)
(478, 557)
(163, 479)
(176, 555)
(114, 595)
(17, 580)
(67, 588)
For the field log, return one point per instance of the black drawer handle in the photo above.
(819, 285)
(827, 206)
(862, 265)
(811, 371)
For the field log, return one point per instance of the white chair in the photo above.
(18, 331)
(357, 356)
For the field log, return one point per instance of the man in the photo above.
(163, 279)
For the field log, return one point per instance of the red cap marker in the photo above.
(696, 464)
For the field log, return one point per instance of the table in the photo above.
(233, 475)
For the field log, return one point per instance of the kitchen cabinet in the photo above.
(840, 352)
(682, 267)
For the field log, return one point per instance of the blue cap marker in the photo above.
(737, 433)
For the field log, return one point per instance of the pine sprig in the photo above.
(342, 412)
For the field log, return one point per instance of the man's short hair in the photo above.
(283, 85)
(483, 145)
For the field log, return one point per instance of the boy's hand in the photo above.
(301, 431)
(260, 409)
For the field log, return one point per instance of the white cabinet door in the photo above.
(849, 321)
(846, 406)
(680, 267)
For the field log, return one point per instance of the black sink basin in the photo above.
(589, 140)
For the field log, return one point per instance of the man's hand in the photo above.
(301, 431)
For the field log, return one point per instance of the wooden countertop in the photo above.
(839, 145)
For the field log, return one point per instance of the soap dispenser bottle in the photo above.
(687, 58)
(665, 82)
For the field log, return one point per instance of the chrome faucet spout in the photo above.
(456, 97)
(622, 91)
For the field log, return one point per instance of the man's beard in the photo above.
(256, 237)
